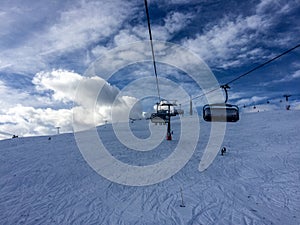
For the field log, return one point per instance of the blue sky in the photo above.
(46, 47)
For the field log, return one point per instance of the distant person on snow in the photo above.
(223, 151)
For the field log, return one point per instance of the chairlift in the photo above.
(221, 112)
(162, 115)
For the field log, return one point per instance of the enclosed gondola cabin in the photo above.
(221, 113)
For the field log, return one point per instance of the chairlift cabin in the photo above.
(221, 112)
(159, 117)
(163, 112)
(163, 116)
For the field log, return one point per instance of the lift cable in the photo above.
(250, 71)
(153, 56)
(262, 65)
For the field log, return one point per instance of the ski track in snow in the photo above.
(256, 182)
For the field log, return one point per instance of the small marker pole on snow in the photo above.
(182, 203)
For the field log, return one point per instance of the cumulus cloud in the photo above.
(63, 83)
(60, 87)
(11, 97)
(27, 121)
(24, 114)
(89, 94)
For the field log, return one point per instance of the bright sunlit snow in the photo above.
(256, 182)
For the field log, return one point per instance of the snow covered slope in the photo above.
(256, 182)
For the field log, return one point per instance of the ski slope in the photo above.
(256, 182)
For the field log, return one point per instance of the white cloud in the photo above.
(82, 24)
(99, 50)
(10, 97)
(251, 101)
(124, 37)
(175, 21)
(83, 91)
(296, 74)
(287, 78)
(62, 82)
(223, 45)
(277, 6)
(24, 114)
(26, 120)
(232, 41)
(89, 22)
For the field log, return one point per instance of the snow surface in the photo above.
(256, 182)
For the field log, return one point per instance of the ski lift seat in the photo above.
(162, 116)
(221, 112)
(159, 117)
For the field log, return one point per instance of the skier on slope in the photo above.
(223, 150)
